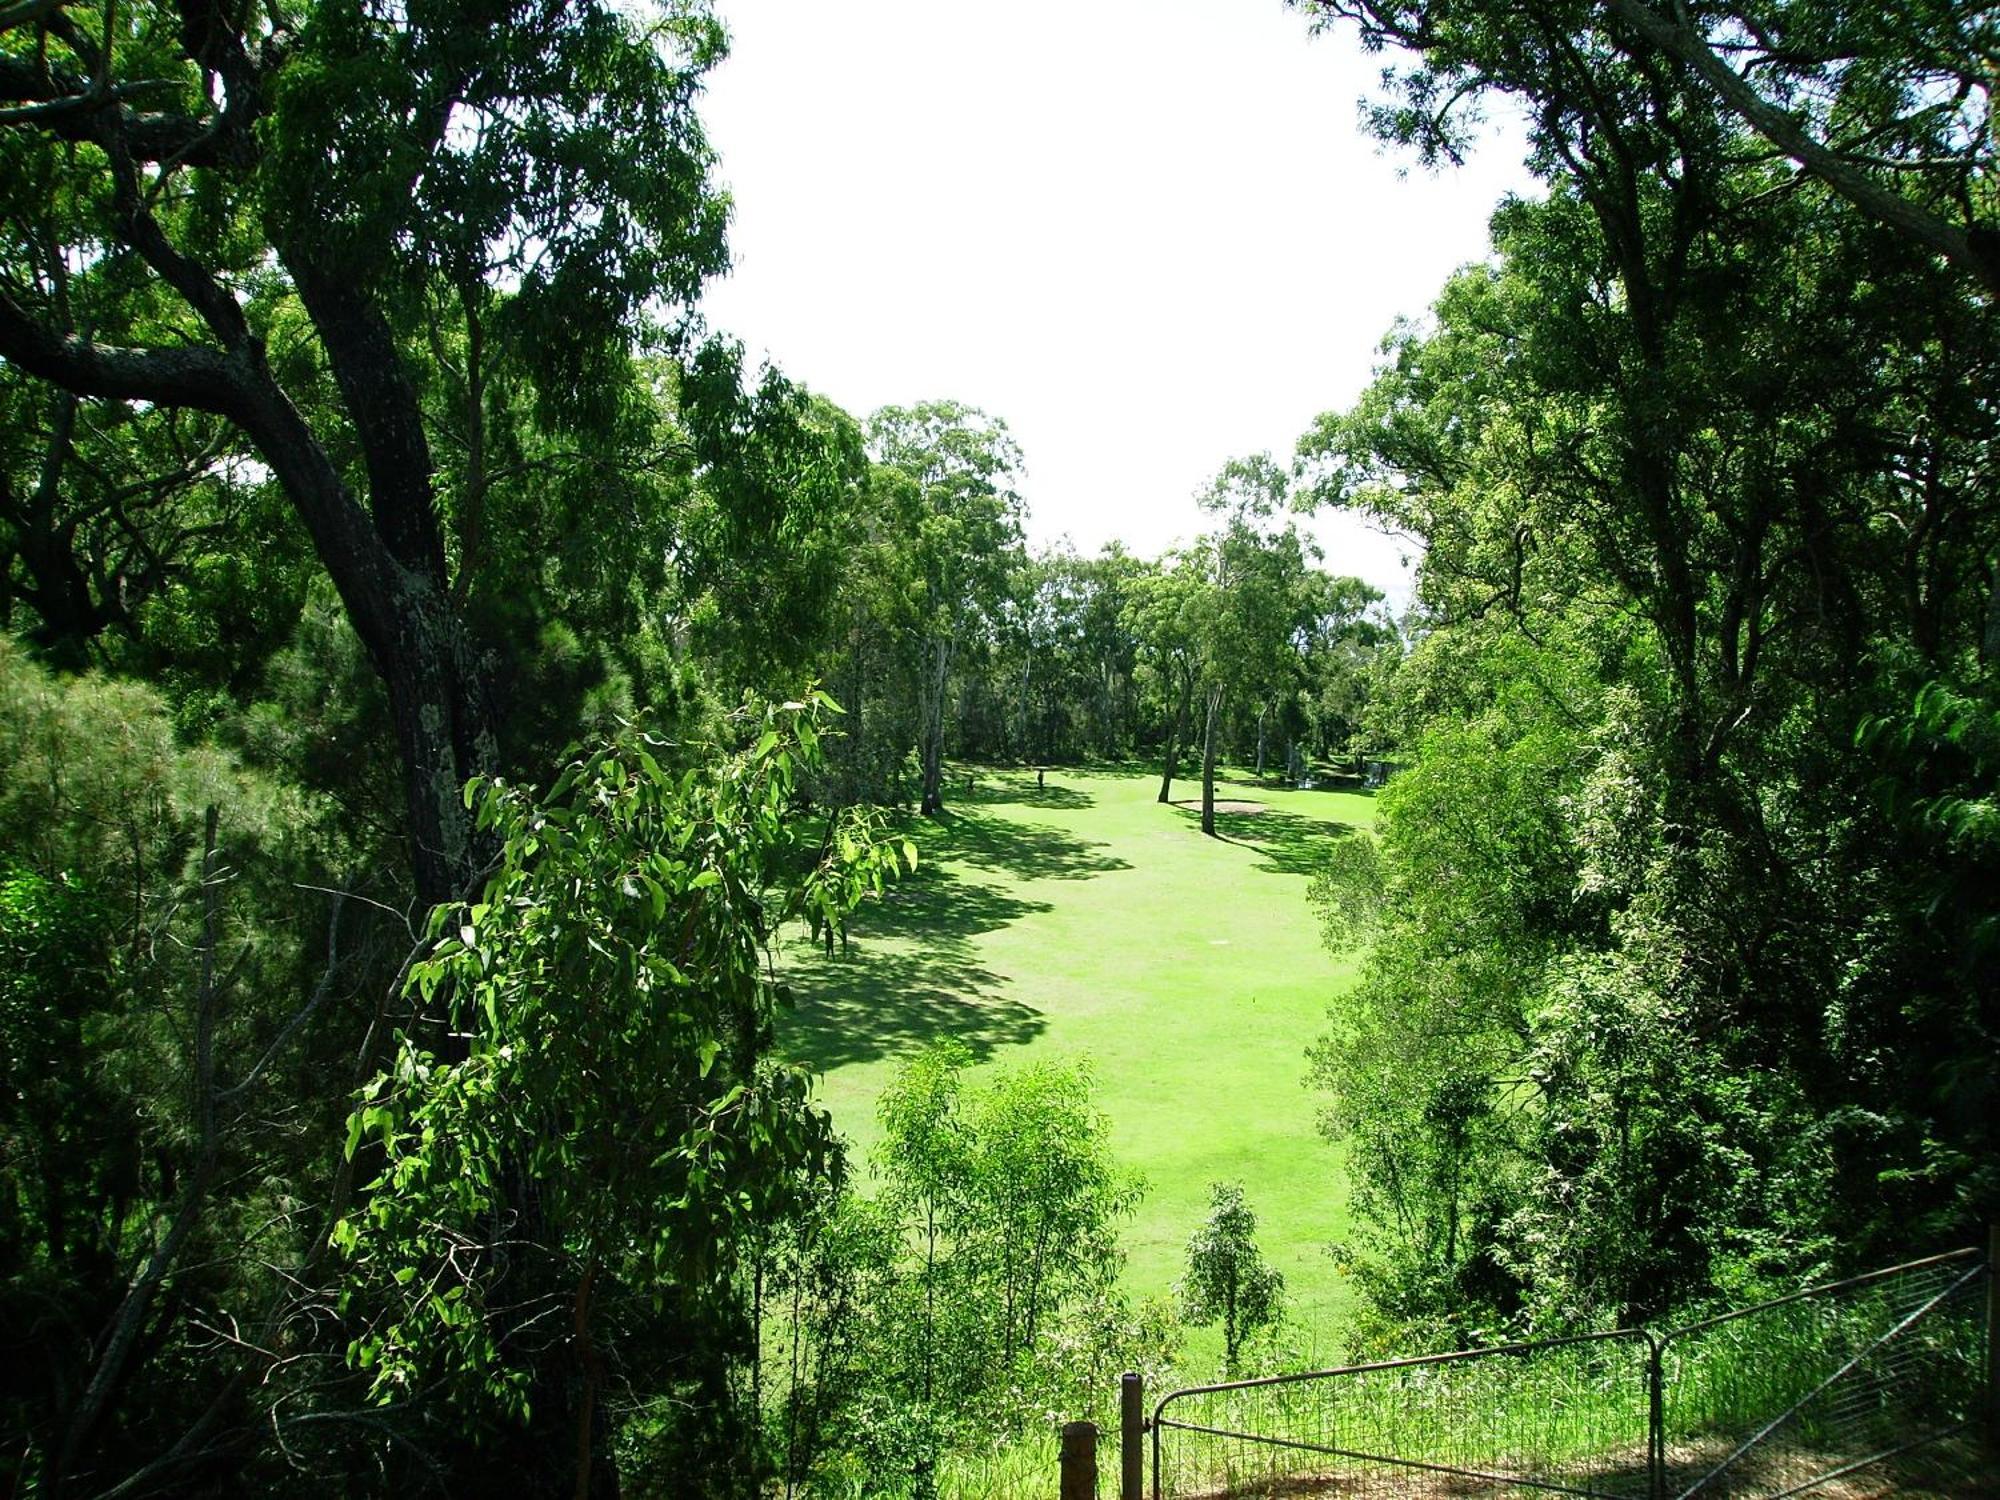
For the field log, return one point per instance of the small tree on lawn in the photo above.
(1227, 1276)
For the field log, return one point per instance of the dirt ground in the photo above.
(1957, 1469)
(1222, 805)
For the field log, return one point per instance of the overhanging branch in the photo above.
(1882, 204)
(195, 375)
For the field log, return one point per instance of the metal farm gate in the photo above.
(1766, 1401)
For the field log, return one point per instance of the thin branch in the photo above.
(305, 1012)
(138, 1300)
(1878, 202)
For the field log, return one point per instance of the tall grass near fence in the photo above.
(1554, 1413)
(1758, 1401)
(1770, 1397)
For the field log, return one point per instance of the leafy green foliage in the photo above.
(585, 1110)
(1011, 1196)
(153, 1046)
(1227, 1279)
(980, 1287)
(1651, 976)
(946, 474)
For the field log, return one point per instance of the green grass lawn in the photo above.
(1085, 919)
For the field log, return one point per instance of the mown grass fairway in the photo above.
(1086, 919)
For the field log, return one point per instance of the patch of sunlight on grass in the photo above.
(1084, 918)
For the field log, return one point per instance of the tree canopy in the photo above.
(444, 687)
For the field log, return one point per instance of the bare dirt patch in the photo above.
(1953, 1469)
(1222, 805)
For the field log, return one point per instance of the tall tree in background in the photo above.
(1066, 651)
(1164, 613)
(947, 473)
(1255, 601)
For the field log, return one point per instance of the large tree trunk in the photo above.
(1210, 724)
(386, 562)
(437, 697)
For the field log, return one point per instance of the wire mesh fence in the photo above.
(1563, 1416)
(1772, 1398)
(1766, 1401)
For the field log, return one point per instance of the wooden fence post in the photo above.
(1079, 1461)
(1132, 1437)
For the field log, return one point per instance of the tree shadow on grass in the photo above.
(1027, 851)
(910, 976)
(1272, 781)
(868, 1006)
(911, 972)
(1018, 788)
(1286, 842)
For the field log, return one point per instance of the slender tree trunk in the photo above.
(930, 744)
(1175, 734)
(1989, 640)
(130, 1319)
(1231, 1338)
(1263, 719)
(1027, 668)
(1210, 724)
(586, 1413)
(930, 1291)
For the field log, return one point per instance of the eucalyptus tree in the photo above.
(397, 296)
(1009, 1202)
(1255, 599)
(1035, 634)
(1110, 644)
(1698, 465)
(1323, 689)
(617, 1137)
(264, 218)
(1067, 653)
(945, 473)
(1163, 614)
(1889, 109)
(1227, 1279)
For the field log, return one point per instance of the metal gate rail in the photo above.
(1411, 1398)
(1789, 1393)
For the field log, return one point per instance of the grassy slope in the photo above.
(1088, 920)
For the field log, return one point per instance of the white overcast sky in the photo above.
(1149, 234)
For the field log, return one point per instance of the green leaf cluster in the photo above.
(582, 1106)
